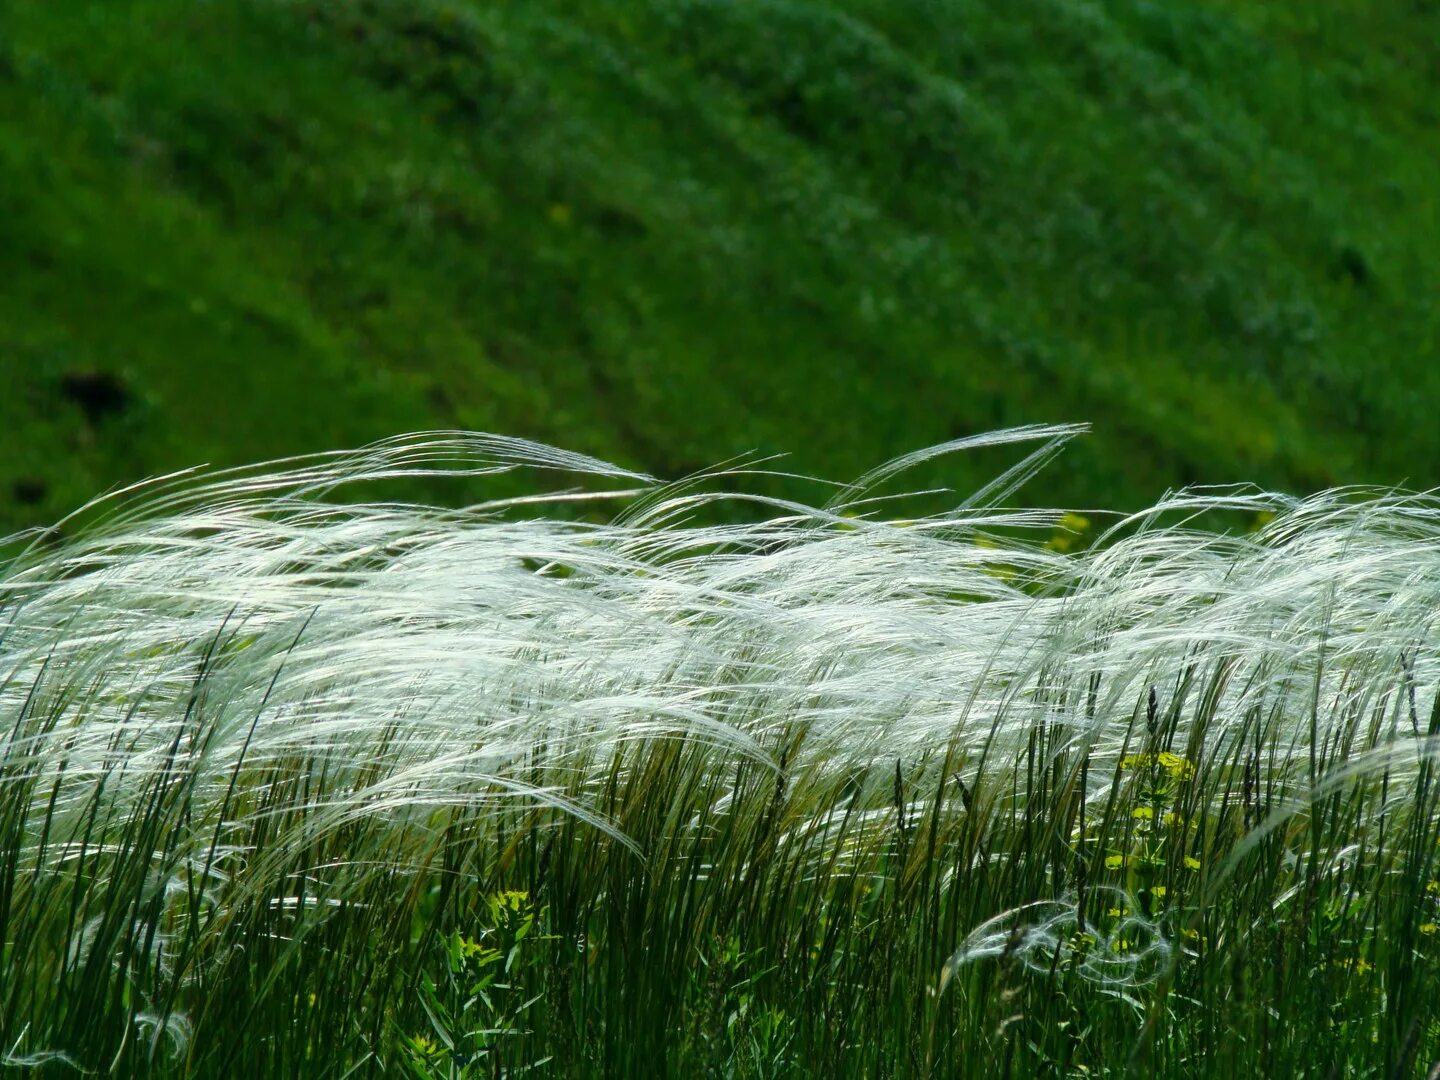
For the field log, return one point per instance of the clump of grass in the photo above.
(298, 787)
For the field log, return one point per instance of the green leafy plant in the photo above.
(479, 998)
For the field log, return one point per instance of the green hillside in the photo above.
(667, 232)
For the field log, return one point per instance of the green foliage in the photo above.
(477, 1001)
(668, 232)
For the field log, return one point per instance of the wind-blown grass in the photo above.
(295, 787)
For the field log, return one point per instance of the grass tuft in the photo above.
(291, 787)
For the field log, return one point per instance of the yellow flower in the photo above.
(1193, 935)
(1135, 761)
(1192, 863)
(1114, 862)
(1117, 912)
(1432, 886)
(1144, 813)
(1428, 928)
(1158, 892)
(1178, 767)
(1074, 522)
(1171, 818)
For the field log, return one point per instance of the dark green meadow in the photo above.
(668, 233)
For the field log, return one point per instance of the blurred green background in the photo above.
(668, 232)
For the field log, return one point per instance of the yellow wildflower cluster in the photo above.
(1119, 862)
(1179, 768)
(1430, 926)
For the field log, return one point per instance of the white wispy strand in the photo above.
(425, 654)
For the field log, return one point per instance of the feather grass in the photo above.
(295, 787)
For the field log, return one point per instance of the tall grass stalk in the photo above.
(299, 787)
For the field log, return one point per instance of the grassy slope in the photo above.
(669, 232)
